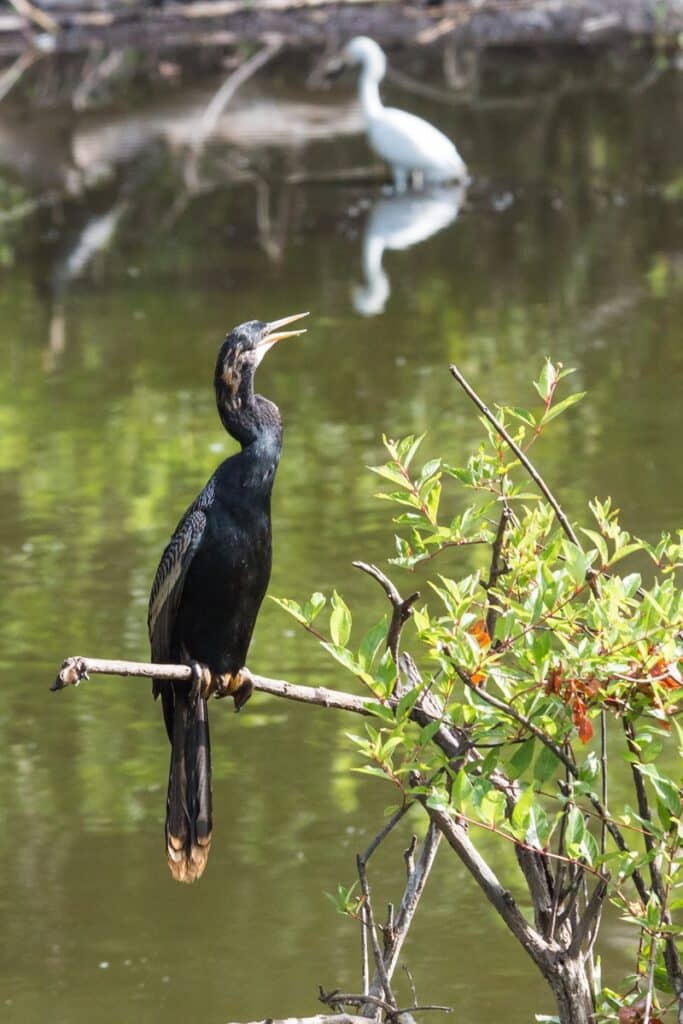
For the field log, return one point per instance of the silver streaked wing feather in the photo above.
(168, 583)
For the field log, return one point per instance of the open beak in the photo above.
(273, 334)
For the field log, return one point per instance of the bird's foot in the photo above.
(202, 682)
(238, 686)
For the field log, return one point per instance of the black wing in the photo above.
(167, 589)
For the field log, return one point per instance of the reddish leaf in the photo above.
(554, 681)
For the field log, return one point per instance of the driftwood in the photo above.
(311, 23)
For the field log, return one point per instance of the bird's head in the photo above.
(243, 350)
(365, 51)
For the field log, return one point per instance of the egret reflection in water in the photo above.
(400, 222)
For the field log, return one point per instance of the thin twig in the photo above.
(497, 569)
(590, 914)
(402, 608)
(381, 836)
(411, 897)
(377, 952)
(528, 465)
(364, 966)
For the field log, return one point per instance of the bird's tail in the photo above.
(188, 805)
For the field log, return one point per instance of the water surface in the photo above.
(115, 294)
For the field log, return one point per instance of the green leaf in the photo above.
(314, 606)
(492, 807)
(438, 800)
(546, 381)
(575, 831)
(546, 765)
(371, 643)
(429, 469)
(461, 790)
(292, 608)
(560, 407)
(521, 814)
(522, 414)
(408, 701)
(408, 447)
(428, 732)
(382, 711)
(385, 675)
(340, 621)
(521, 759)
(390, 472)
(577, 561)
(432, 500)
(666, 789)
(600, 543)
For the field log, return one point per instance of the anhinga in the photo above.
(209, 586)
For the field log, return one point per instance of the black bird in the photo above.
(209, 586)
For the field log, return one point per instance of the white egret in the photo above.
(409, 144)
(398, 223)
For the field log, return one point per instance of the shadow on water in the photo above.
(124, 260)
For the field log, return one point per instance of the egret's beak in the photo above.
(273, 334)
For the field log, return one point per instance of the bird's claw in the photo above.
(202, 681)
(238, 686)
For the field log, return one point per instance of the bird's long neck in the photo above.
(368, 90)
(256, 424)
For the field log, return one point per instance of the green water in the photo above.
(567, 244)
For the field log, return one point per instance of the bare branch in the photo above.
(75, 669)
(392, 822)
(487, 880)
(379, 958)
(401, 608)
(589, 916)
(409, 902)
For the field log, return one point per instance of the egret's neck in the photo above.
(368, 90)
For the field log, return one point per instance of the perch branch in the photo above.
(76, 669)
